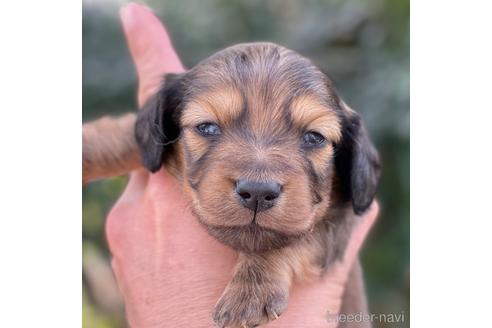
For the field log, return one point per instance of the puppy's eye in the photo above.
(208, 129)
(312, 138)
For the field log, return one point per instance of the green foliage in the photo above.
(364, 45)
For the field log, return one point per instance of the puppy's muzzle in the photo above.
(258, 196)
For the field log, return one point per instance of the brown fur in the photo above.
(264, 98)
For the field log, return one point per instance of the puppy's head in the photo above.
(264, 143)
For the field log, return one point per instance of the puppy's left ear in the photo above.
(357, 161)
(157, 126)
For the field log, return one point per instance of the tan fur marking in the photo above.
(220, 106)
(296, 261)
(319, 158)
(196, 144)
(312, 114)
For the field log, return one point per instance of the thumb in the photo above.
(150, 48)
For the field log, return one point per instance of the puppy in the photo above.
(274, 164)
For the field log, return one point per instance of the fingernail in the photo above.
(127, 13)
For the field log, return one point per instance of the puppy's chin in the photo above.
(250, 238)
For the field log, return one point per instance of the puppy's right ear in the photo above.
(357, 162)
(157, 126)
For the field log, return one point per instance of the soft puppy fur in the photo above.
(273, 162)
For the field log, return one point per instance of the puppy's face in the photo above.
(256, 130)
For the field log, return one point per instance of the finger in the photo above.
(357, 238)
(361, 231)
(150, 48)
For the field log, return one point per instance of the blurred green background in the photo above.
(363, 44)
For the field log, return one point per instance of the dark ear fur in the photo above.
(357, 162)
(157, 125)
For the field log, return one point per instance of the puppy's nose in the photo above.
(258, 196)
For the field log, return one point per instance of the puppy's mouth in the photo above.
(251, 238)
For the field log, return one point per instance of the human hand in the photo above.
(170, 271)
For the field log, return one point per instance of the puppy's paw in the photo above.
(249, 305)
